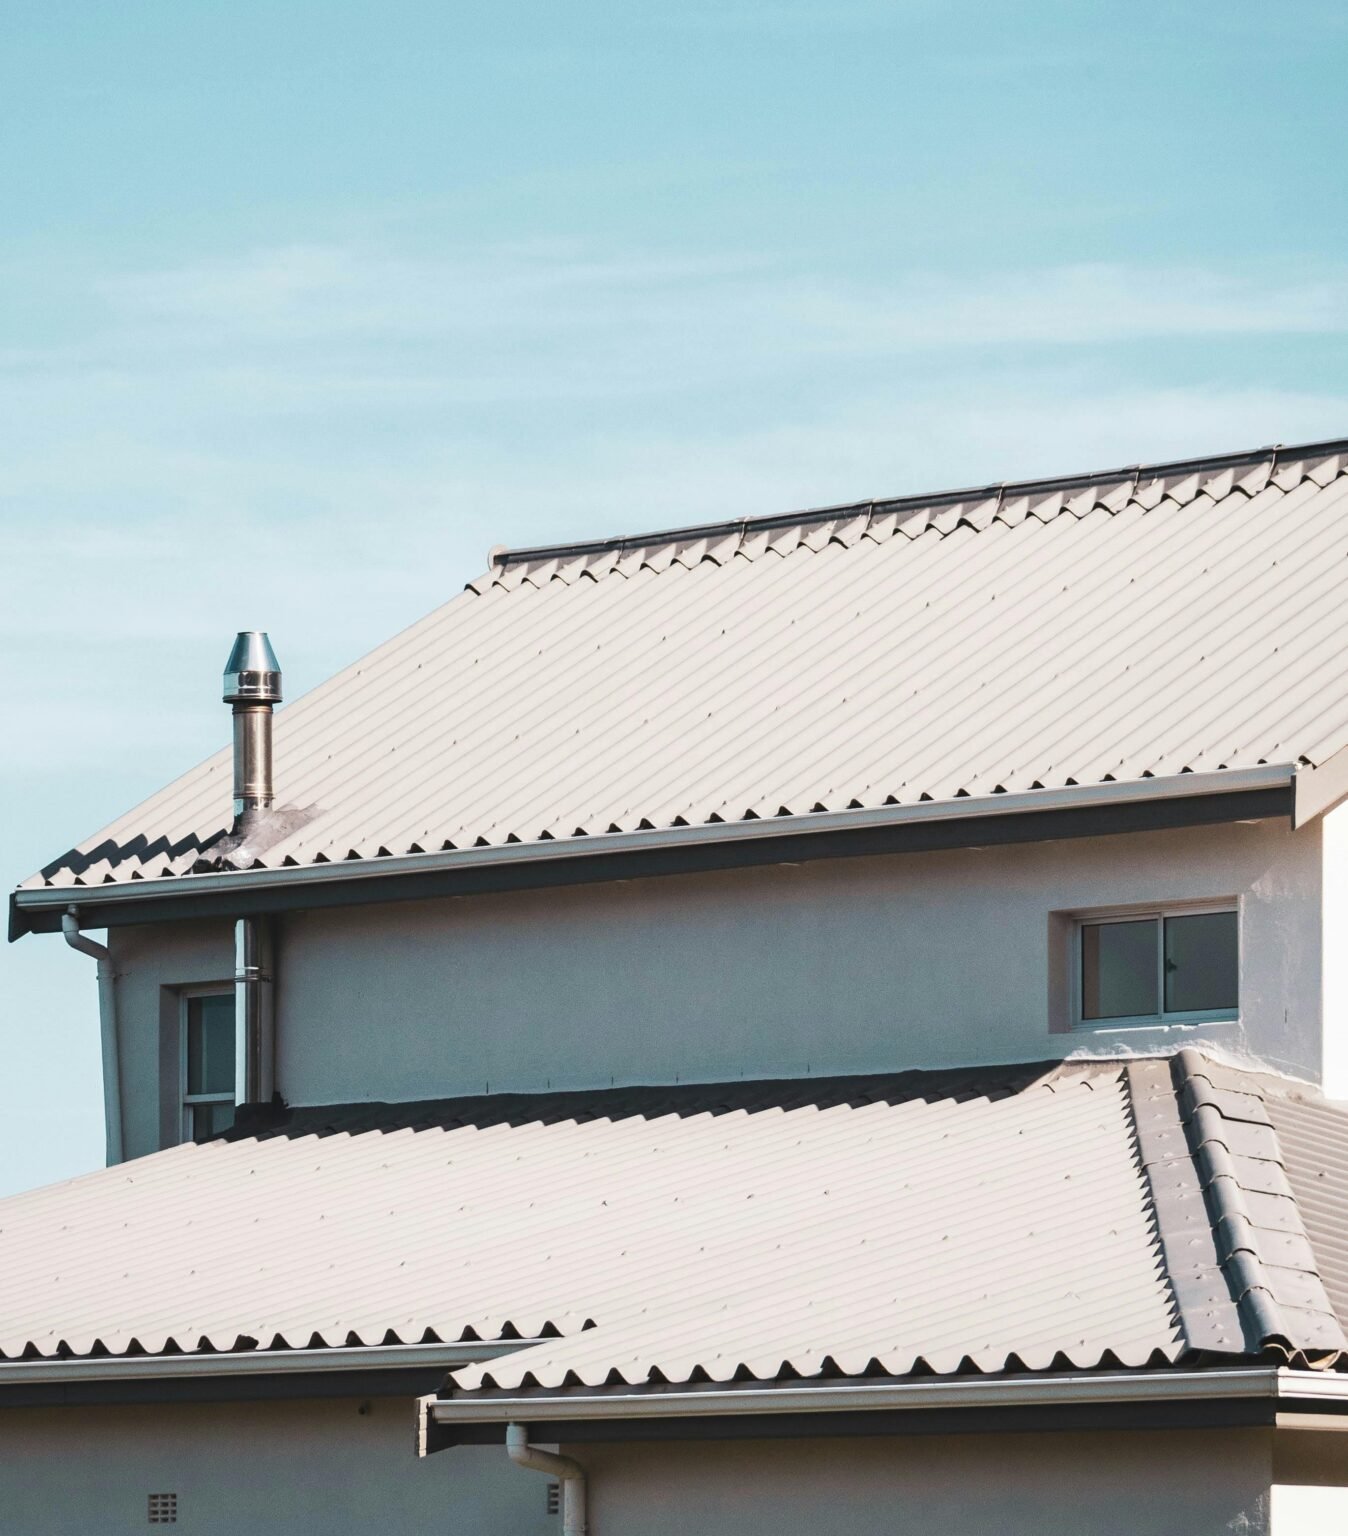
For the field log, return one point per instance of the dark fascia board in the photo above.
(1218, 1413)
(788, 840)
(406, 1382)
(1213, 1397)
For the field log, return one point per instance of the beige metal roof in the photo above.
(935, 1221)
(1314, 1138)
(1141, 623)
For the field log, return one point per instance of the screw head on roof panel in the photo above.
(252, 673)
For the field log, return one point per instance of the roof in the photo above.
(1117, 626)
(1049, 1215)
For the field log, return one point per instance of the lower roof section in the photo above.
(995, 1222)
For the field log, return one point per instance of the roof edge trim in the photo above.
(960, 1391)
(500, 556)
(1185, 786)
(261, 1362)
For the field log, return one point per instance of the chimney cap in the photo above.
(252, 673)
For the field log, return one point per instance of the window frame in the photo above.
(188, 1101)
(1157, 912)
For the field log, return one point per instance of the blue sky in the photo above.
(304, 307)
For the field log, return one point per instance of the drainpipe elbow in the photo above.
(565, 1469)
(70, 928)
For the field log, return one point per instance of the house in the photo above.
(831, 1021)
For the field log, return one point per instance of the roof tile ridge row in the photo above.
(1265, 1253)
(1207, 1317)
(1008, 502)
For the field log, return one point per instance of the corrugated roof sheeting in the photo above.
(1123, 627)
(1314, 1138)
(1012, 1225)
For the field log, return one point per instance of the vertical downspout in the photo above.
(568, 1472)
(108, 1033)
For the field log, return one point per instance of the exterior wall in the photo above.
(1130, 1483)
(850, 965)
(291, 1468)
(1310, 1492)
(1334, 946)
(327, 1468)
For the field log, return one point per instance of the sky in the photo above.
(304, 307)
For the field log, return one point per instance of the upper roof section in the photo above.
(1115, 626)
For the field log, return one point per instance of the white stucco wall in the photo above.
(1131, 1483)
(281, 1469)
(1334, 947)
(1310, 1490)
(852, 965)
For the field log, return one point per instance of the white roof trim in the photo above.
(959, 1392)
(1169, 787)
(259, 1362)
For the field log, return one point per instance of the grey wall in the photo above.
(323, 1467)
(287, 1469)
(854, 965)
(1177, 1483)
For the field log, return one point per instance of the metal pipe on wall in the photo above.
(108, 1032)
(254, 1011)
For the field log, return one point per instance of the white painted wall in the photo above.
(1309, 1495)
(1334, 948)
(851, 965)
(281, 1469)
(1130, 1483)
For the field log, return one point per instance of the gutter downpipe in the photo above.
(108, 1033)
(568, 1472)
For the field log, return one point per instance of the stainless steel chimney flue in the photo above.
(252, 684)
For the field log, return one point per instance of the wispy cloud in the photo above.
(365, 424)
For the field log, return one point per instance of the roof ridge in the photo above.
(500, 556)
(1261, 1240)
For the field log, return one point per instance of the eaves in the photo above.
(1033, 815)
(401, 1370)
(1265, 1395)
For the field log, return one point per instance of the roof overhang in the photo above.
(1261, 1394)
(1083, 810)
(374, 1370)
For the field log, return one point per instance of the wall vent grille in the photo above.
(554, 1498)
(163, 1509)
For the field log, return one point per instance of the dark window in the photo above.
(208, 1097)
(1118, 969)
(1201, 963)
(1164, 965)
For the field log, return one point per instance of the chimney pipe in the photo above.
(252, 684)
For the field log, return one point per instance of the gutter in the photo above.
(256, 1362)
(1277, 1384)
(42, 902)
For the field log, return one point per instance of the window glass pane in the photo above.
(1118, 969)
(210, 1119)
(210, 1044)
(1201, 964)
